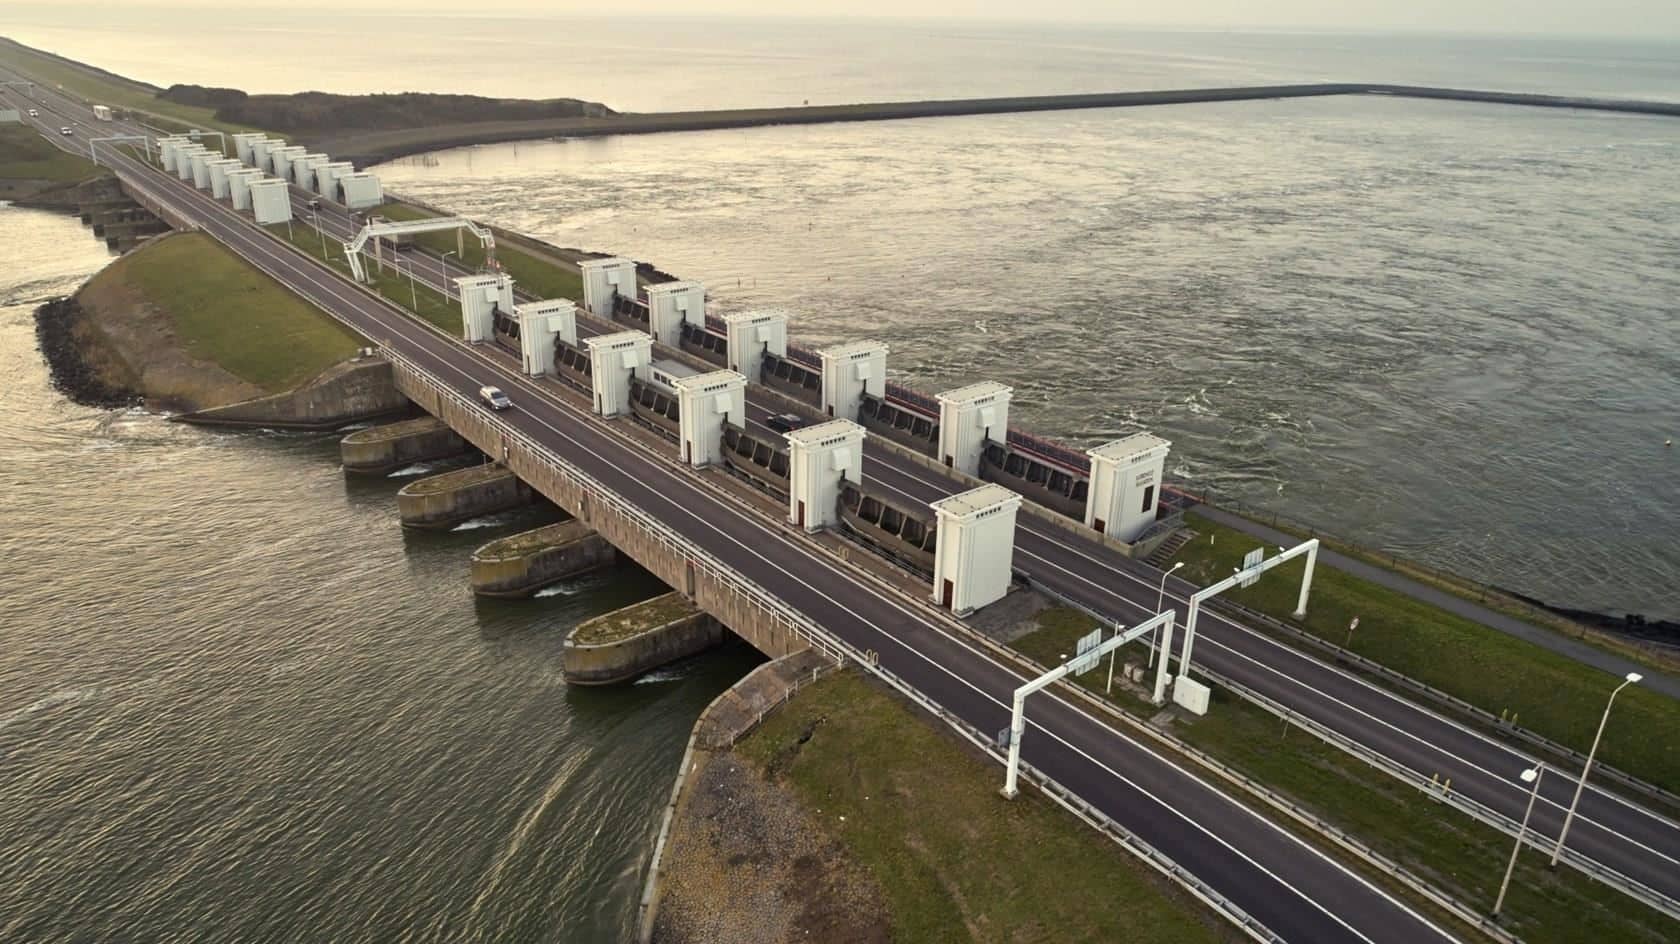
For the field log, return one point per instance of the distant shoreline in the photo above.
(379, 146)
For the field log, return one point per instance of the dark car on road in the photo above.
(494, 398)
(785, 422)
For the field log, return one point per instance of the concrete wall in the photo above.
(350, 392)
(624, 659)
(443, 501)
(750, 617)
(522, 564)
(386, 448)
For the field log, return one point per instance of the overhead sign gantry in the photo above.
(353, 248)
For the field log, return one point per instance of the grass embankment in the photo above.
(429, 304)
(228, 313)
(1483, 594)
(538, 276)
(25, 155)
(1551, 694)
(106, 88)
(956, 861)
(633, 619)
(1454, 853)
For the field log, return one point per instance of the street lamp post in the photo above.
(315, 215)
(1115, 652)
(1160, 598)
(1532, 775)
(443, 272)
(1569, 818)
(413, 296)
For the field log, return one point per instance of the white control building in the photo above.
(1125, 485)
(975, 552)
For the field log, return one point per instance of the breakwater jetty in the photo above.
(373, 147)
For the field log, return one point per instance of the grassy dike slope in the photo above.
(33, 171)
(1549, 693)
(187, 324)
(942, 857)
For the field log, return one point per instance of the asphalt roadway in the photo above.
(1230, 848)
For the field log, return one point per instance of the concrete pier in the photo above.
(350, 392)
(521, 564)
(444, 501)
(387, 448)
(621, 645)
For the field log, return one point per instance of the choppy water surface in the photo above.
(1447, 330)
(238, 703)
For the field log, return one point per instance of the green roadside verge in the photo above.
(1550, 694)
(217, 303)
(538, 276)
(25, 155)
(1482, 594)
(923, 816)
(392, 282)
(1456, 854)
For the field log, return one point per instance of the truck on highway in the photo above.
(102, 112)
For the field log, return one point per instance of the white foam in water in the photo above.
(659, 675)
(419, 468)
(488, 521)
(68, 696)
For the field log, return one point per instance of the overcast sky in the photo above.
(1636, 18)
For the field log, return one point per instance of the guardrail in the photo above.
(1288, 807)
(1500, 725)
(1445, 794)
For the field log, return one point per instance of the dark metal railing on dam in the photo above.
(572, 365)
(1035, 479)
(1055, 452)
(703, 343)
(783, 374)
(760, 461)
(804, 356)
(906, 535)
(899, 423)
(655, 407)
(913, 398)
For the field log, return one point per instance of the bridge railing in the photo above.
(841, 652)
(702, 560)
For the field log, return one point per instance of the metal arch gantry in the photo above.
(353, 248)
(93, 144)
(221, 139)
(1084, 662)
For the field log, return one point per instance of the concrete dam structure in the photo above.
(774, 567)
